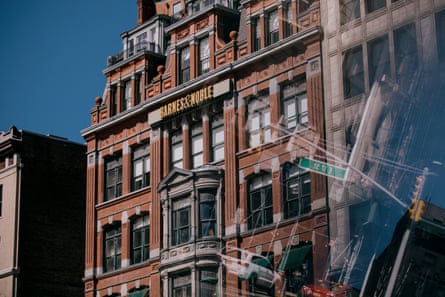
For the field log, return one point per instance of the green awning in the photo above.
(139, 293)
(293, 258)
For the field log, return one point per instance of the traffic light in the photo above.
(416, 210)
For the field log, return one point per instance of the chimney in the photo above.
(146, 9)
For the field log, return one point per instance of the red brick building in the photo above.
(194, 149)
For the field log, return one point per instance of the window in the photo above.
(304, 5)
(350, 137)
(177, 10)
(440, 35)
(297, 191)
(208, 280)
(113, 177)
(204, 54)
(350, 10)
(260, 201)
(126, 99)
(182, 285)
(197, 145)
(1, 199)
(141, 41)
(217, 138)
(405, 50)
(288, 21)
(184, 69)
(256, 31)
(140, 239)
(353, 79)
(207, 213)
(259, 120)
(372, 5)
(141, 167)
(176, 149)
(113, 101)
(273, 27)
(378, 59)
(181, 228)
(152, 41)
(112, 246)
(295, 110)
(139, 83)
(131, 47)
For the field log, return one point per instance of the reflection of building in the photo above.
(42, 215)
(413, 263)
(388, 55)
(190, 151)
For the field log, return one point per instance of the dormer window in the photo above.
(177, 10)
(127, 94)
(130, 47)
(141, 41)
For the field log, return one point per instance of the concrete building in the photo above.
(413, 262)
(193, 153)
(383, 71)
(42, 215)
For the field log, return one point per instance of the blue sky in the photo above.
(52, 56)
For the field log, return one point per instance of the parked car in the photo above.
(250, 266)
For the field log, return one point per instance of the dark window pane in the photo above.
(372, 5)
(378, 59)
(440, 35)
(350, 10)
(353, 79)
(405, 50)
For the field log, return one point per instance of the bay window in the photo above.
(182, 285)
(207, 212)
(181, 221)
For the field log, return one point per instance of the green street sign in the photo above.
(322, 168)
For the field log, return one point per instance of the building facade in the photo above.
(42, 215)
(193, 153)
(383, 71)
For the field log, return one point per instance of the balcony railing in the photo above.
(128, 53)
